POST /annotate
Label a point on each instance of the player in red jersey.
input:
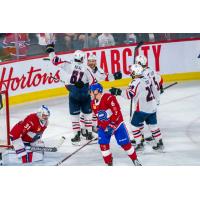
(28, 132)
(110, 122)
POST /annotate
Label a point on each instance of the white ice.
(178, 118)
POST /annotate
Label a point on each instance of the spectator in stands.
(4, 55)
(91, 41)
(130, 38)
(120, 38)
(19, 49)
(106, 39)
(142, 37)
(35, 48)
(162, 36)
(75, 41)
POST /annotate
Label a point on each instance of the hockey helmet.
(96, 86)
(141, 60)
(43, 113)
(79, 56)
(136, 70)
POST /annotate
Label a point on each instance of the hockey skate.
(133, 142)
(149, 139)
(137, 162)
(159, 146)
(111, 163)
(83, 132)
(139, 148)
(76, 139)
(94, 129)
(89, 135)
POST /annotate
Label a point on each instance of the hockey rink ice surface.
(178, 118)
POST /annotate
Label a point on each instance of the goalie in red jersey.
(110, 122)
(28, 132)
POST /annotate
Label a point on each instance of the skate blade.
(76, 143)
(160, 150)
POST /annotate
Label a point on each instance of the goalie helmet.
(43, 113)
(141, 60)
(79, 56)
(136, 70)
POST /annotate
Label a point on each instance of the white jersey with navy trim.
(140, 89)
(74, 72)
(156, 80)
(100, 75)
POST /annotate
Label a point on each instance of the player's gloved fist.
(117, 75)
(110, 129)
(161, 89)
(115, 91)
(50, 48)
(79, 84)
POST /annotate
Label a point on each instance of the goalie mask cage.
(4, 119)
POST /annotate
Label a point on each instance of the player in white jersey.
(77, 77)
(141, 90)
(156, 79)
(100, 75)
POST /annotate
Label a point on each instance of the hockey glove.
(161, 89)
(79, 84)
(50, 48)
(110, 129)
(117, 75)
(115, 91)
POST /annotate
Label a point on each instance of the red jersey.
(107, 110)
(30, 129)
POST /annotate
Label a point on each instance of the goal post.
(4, 119)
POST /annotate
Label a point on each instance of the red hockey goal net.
(4, 119)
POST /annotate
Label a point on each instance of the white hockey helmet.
(142, 60)
(43, 113)
(92, 57)
(136, 70)
(79, 56)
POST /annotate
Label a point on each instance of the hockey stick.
(49, 149)
(70, 155)
(135, 51)
(166, 87)
(45, 149)
(56, 79)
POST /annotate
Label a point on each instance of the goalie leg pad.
(10, 157)
(19, 147)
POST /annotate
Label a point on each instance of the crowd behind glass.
(22, 45)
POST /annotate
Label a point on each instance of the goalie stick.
(49, 149)
(135, 51)
(46, 149)
(77, 150)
